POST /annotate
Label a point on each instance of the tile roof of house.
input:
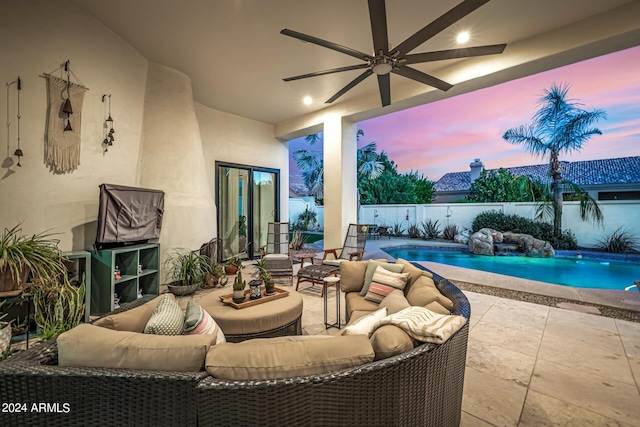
(588, 172)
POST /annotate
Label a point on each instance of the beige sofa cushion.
(92, 346)
(424, 293)
(414, 273)
(352, 275)
(133, 320)
(394, 302)
(282, 358)
(356, 302)
(390, 340)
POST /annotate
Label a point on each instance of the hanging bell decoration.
(67, 107)
(19, 154)
(68, 126)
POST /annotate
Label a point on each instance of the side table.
(302, 256)
(335, 282)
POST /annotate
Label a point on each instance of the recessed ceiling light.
(307, 100)
(463, 37)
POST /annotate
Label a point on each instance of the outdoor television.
(128, 215)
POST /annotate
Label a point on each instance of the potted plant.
(238, 288)
(20, 255)
(5, 334)
(265, 276)
(186, 270)
(59, 305)
(232, 265)
(213, 275)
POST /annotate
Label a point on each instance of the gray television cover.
(129, 214)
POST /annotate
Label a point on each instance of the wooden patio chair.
(276, 254)
(352, 249)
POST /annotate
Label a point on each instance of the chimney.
(476, 167)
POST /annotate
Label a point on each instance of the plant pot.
(270, 288)
(238, 296)
(231, 269)
(5, 338)
(181, 290)
(210, 281)
(7, 283)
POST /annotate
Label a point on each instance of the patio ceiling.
(236, 58)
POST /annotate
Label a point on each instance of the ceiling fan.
(386, 59)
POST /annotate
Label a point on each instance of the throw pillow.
(384, 282)
(390, 340)
(424, 293)
(371, 269)
(352, 275)
(134, 319)
(415, 273)
(167, 318)
(198, 322)
(424, 325)
(395, 301)
(365, 324)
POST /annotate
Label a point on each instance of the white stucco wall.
(37, 37)
(617, 213)
(234, 139)
(172, 160)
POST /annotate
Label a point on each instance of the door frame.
(251, 168)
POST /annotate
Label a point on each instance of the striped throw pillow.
(198, 322)
(423, 324)
(384, 282)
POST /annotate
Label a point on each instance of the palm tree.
(312, 166)
(559, 126)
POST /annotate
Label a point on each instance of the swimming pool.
(597, 273)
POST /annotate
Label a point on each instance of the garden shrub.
(621, 241)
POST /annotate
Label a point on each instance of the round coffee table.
(275, 318)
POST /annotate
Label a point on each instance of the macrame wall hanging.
(64, 121)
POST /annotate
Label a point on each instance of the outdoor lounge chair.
(352, 249)
(276, 253)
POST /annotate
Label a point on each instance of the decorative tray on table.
(228, 299)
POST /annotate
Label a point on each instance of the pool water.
(568, 271)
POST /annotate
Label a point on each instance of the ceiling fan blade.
(354, 82)
(384, 83)
(454, 53)
(421, 77)
(378, 17)
(449, 18)
(327, 44)
(322, 73)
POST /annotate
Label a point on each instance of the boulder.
(463, 237)
(529, 245)
(481, 242)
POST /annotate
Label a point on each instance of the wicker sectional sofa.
(420, 387)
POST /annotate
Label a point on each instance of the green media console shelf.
(132, 279)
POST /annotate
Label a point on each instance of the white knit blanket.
(423, 324)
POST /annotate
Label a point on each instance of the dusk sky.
(446, 136)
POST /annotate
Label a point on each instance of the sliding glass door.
(247, 200)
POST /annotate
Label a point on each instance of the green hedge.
(519, 224)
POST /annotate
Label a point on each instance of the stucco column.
(173, 160)
(340, 179)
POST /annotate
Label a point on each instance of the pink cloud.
(447, 135)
